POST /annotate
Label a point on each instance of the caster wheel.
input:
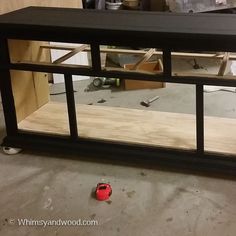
(11, 151)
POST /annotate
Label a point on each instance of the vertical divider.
(167, 65)
(6, 90)
(71, 106)
(200, 118)
(96, 58)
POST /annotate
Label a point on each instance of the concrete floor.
(145, 200)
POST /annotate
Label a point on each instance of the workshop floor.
(145, 200)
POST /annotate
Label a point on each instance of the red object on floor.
(103, 191)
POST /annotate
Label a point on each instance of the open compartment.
(203, 64)
(100, 111)
(123, 117)
(116, 115)
(220, 119)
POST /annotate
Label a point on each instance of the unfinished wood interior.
(142, 52)
(12, 5)
(154, 128)
(224, 58)
(36, 113)
(151, 54)
(130, 125)
(30, 89)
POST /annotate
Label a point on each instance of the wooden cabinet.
(195, 140)
(30, 89)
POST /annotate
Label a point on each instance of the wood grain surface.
(11, 5)
(135, 126)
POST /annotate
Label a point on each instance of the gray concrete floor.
(145, 201)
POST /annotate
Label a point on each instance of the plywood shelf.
(155, 128)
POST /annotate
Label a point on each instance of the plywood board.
(40, 79)
(154, 67)
(166, 129)
(122, 124)
(30, 89)
(11, 5)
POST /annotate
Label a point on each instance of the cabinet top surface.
(132, 21)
